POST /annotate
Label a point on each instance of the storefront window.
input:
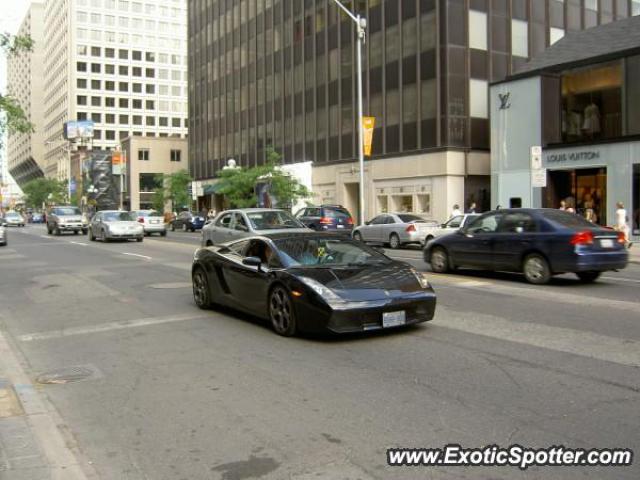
(592, 103)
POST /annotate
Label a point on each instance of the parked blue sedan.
(538, 242)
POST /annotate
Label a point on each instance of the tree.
(172, 187)
(159, 198)
(44, 190)
(238, 185)
(12, 116)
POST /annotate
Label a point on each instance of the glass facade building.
(281, 73)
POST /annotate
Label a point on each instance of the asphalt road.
(172, 392)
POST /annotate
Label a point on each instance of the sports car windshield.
(272, 220)
(118, 217)
(315, 251)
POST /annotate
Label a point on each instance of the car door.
(371, 232)
(515, 235)
(95, 224)
(221, 232)
(473, 245)
(237, 228)
(389, 226)
(243, 278)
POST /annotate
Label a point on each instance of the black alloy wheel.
(200, 284)
(281, 312)
(439, 260)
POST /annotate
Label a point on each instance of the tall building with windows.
(25, 151)
(282, 73)
(120, 63)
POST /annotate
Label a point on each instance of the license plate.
(393, 319)
(155, 221)
(606, 243)
(340, 226)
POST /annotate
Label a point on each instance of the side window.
(258, 248)
(239, 248)
(389, 220)
(517, 222)
(240, 223)
(313, 212)
(485, 224)
(224, 221)
(379, 220)
(455, 222)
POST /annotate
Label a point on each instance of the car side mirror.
(252, 262)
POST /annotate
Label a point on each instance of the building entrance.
(584, 190)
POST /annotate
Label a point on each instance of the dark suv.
(326, 218)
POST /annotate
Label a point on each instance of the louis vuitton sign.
(572, 156)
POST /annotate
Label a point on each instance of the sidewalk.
(634, 253)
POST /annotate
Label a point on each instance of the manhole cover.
(66, 375)
(162, 286)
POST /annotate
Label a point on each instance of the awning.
(211, 189)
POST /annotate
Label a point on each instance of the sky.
(12, 13)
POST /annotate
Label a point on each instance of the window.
(151, 121)
(485, 224)
(136, 55)
(82, 115)
(635, 7)
(81, 83)
(150, 56)
(96, 101)
(82, 50)
(123, 87)
(95, 68)
(143, 154)
(591, 5)
(150, 105)
(519, 38)
(123, 120)
(517, 223)
(478, 98)
(110, 118)
(110, 69)
(109, 53)
(477, 30)
(136, 103)
(137, 120)
(123, 54)
(149, 182)
(96, 117)
(96, 84)
(96, 51)
(110, 135)
(123, 70)
(150, 88)
(123, 102)
(110, 102)
(81, 100)
(81, 66)
(136, 71)
(176, 155)
(555, 34)
(137, 88)
(149, 72)
(163, 121)
(175, 122)
(225, 221)
(109, 85)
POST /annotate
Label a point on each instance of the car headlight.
(326, 293)
(422, 278)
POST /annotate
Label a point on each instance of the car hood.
(123, 224)
(372, 282)
(271, 231)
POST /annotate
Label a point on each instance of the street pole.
(69, 172)
(361, 25)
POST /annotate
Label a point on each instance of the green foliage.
(159, 198)
(173, 187)
(238, 185)
(12, 116)
(36, 192)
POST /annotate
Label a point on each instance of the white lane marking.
(107, 327)
(568, 340)
(621, 279)
(137, 255)
(47, 237)
(80, 243)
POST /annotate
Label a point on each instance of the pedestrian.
(621, 225)
(563, 205)
(472, 208)
(212, 214)
(456, 211)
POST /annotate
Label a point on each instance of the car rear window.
(150, 213)
(566, 219)
(336, 212)
(411, 218)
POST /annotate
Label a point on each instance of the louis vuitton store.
(583, 114)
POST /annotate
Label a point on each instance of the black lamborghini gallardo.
(312, 282)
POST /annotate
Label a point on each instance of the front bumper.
(120, 235)
(68, 227)
(364, 316)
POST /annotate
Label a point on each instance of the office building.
(282, 73)
(25, 83)
(120, 63)
(579, 104)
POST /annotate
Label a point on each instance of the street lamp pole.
(361, 25)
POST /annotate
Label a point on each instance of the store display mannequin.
(591, 123)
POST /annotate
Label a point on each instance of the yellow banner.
(368, 124)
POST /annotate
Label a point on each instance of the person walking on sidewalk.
(622, 225)
(456, 211)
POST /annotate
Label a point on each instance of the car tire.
(357, 236)
(201, 290)
(84, 231)
(439, 260)
(75, 232)
(394, 241)
(103, 237)
(49, 231)
(56, 231)
(173, 227)
(588, 277)
(139, 239)
(281, 312)
(92, 237)
(536, 269)
(428, 239)
(163, 234)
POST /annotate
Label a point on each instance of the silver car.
(115, 225)
(151, 221)
(246, 222)
(450, 226)
(395, 229)
(14, 218)
(66, 219)
(3, 232)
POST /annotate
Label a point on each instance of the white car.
(151, 221)
(15, 219)
(3, 232)
(450, 226)
(396, 229)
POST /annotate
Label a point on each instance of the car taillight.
(410, 228)
(140, 219)
(349, 221)
(325, 221)
(582, 238)
(621, 238)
